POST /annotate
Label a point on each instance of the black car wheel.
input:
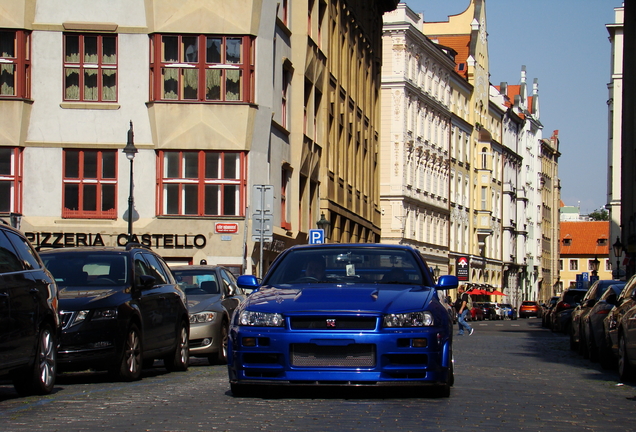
(130, 364)
(221, 357)
(624, 368)
(582, 344)
(592, 350)
(605, 356)
(179, 360)
(40, 378)
(573, 345)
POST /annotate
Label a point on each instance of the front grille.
(353, 355)
(333, 323)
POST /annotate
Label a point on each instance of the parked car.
(577, 337)
(593, 332)
(489, 311)
(562, 313)
(547, 311)
(120, 308)
(529, 309)
(477, 312)
(371, 316)
(619, 326)
(212, 298)
(508, 311)
(29, 319)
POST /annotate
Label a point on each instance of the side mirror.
(248, 282)
(146, 281)
(447, 282)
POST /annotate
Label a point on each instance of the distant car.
(593, 332)
(343, 314)
(529, 309)
(620, 327)
(579, 314)
(561, 315)
(547, 311)
(508, 311)
(489, 311)
(212, 298)
(29, 319)
(477, 312)
(120, 308)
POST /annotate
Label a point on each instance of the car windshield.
(347, 265)
(195, 282)
(77, 270)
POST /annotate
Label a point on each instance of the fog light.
(420, 343)
(249, 341)
(207, 341)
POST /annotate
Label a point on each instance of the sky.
(564, 44)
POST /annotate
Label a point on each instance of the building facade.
(582, 243)
(217, 105)
(415, 140)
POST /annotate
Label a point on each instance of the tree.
(599, 215)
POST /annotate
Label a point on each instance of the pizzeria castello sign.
(70, 239)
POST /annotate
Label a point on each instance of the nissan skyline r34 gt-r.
(343, 314)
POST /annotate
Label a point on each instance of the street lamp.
(618, 251)
(594, 266)
(324, 225)
(436, 273)
(130, 151)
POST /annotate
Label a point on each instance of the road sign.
(316, 236)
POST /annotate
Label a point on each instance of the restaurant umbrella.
(498, 293)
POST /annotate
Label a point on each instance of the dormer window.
(567, 242)
(601, 242)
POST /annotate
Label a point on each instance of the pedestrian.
(461, 305)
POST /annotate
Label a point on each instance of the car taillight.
(562, 306)
(602, 312)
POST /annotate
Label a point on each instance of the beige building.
(550, 189)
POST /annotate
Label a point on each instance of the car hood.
(205, 302)
(342, 298)
(88, 298)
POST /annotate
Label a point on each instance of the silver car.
(212, 297)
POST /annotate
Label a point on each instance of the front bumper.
(205, 338)
(385, 357)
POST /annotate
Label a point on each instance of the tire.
(583, 345)
(240, 390)
(130, 363)
(592, 350)
(39, 378)
(221, 357)
(179, 359)
(573, 345)
(605, 356)
(625, 372)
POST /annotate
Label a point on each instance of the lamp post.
(618, 251)
(594, 267)
(130, 151)
(436, 273)
(324, 225)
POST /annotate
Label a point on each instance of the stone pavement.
(510, 375)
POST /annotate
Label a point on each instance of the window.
(561, 265)
(285, 97)
(574, 264)
(15, 63)
(90, 184)
(202, 183)
(284, 191)
(202, 68)
(90, 67)
(10, 261)
(10, 179)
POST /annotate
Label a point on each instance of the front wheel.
(39, 379)
(130, 364)
(179, 360)
(223, 337)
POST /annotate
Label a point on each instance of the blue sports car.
(343, 314)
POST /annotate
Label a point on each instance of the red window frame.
(181, 204)
(84, 65)
(188, 67)
(84, 183)
(284, 184)
(19, 60)
(12, 176)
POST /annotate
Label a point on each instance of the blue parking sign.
(316, 236)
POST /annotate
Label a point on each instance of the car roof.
(195, 267)
(102, 249)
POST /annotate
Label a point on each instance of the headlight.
(410, 319)
(103, 314)
(202, 317)
(260, 319)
